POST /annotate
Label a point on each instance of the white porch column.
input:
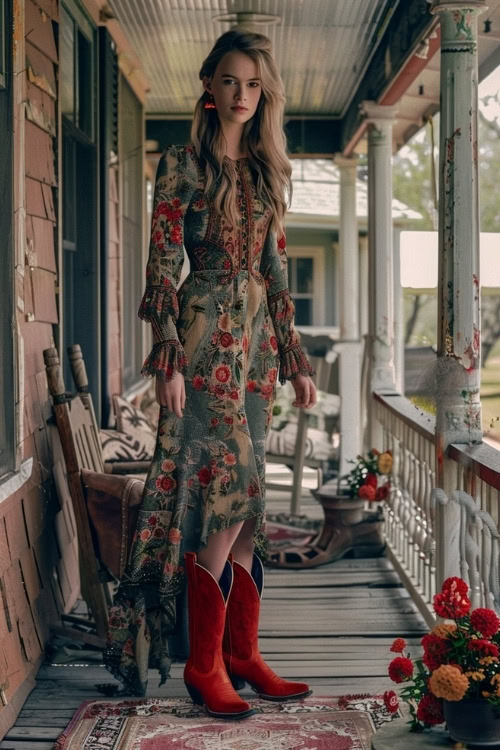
(348, 248)
(349, 347)
(399, 321)
(381, 275)
(458, 375)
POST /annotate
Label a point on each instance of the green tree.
(416, 184)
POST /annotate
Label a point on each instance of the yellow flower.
(385, 463)
(477, 676)
(449, 683)
(487, 660)
(495, 679)
(444, 629)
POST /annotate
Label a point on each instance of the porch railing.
(410, 529)
(435, 533)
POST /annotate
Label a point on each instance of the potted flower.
(368, 480)
(457, 680)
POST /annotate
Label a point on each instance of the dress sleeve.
(274, 268)
(174, 187)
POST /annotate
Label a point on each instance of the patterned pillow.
(283, 442)
(118, 446)
(129, 418)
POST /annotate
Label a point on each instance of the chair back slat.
(76, 426)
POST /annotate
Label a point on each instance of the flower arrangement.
(460, 660)
(370, 477)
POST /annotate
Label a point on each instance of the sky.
(419, 250)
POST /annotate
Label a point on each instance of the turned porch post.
(380, 237)
(458, 375)
(457, 378)
(349, 347)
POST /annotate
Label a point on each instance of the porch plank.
(331, 626)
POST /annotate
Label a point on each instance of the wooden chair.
(326, 379)
(80, 379)
(76, 424)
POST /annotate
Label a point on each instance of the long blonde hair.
(263, 134)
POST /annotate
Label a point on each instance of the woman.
(218, 342)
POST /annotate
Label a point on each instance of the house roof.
(316, 193)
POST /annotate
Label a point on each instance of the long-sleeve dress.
(229, 329)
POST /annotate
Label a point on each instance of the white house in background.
(312, 227)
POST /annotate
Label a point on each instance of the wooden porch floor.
(331, 627)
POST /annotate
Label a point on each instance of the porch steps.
(331, 627)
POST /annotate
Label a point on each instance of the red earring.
(210, 103)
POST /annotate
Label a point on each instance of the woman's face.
(236, 87)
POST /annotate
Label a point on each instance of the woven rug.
(314, 723)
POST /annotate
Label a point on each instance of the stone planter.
(339, 508)
(473, 721)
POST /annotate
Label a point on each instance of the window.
(306, 283)
(7, 360)
(77, 66)
(80, 272)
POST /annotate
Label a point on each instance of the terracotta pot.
(473, 721)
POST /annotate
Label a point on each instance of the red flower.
(234, 395)
(371, 479)
(165, 483)
(226, 339)
(435, 648)
(204, 475)
(430, 710)
(367, 492)
(228, 420)
(455, 584)
(198, 382)
(398, 646)
(272, 375)
(282, 242)
(223, 373)
(486, 621)
(251, 385)
(152, 520)
(451, 603)
(391, 701)
(176, 236)
(485, 648)
(400, 669)
(274, 343)
(382, 492)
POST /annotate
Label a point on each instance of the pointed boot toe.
(205, 675)
(242, 658)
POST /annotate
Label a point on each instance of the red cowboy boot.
(240, 647)
(205, 675)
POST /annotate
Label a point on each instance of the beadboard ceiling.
(321, 46)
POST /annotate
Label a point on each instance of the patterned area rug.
(315, 723)
(283, 529)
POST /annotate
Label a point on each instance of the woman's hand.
(305, 391)
(172, 394)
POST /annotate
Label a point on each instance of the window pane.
(303, 312)
(305, 275)
(85, 85)
(67, 66)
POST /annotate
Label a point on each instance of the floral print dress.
(229, 330)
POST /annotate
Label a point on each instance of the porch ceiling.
(321, 47)
(422, 96)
